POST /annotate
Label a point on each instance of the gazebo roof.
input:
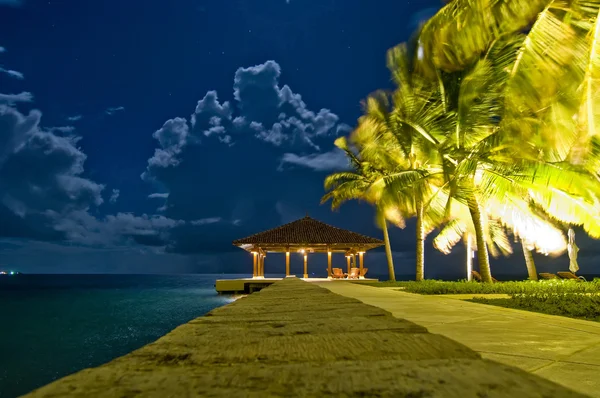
(308, 231)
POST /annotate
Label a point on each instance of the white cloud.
(2, 50)
(114, 196)
(12, 73)
(61, 129)
(112, 110)
(204, 221)
(158, 196)
(74, 118)
(328, 161)
(10, 99)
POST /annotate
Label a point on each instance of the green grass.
(571, 305)
(523, 287)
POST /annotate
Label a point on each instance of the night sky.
(140, 136)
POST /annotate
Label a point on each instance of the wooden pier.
(251, 285)
(297, 339)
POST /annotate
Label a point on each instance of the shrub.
(555, 286)
(572, 305)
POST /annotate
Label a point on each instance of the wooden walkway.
(298, 339)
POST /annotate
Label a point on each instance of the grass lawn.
(571, 305)
(568, 298)
(523, 287)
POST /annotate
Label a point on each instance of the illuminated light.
(420, 52)
(302, 250)
(538, 234)
(12, 272)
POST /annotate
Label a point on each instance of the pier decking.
(251, 285)
(298, 339)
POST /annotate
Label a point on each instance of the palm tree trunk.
(529, 262)
(388, 248)
(420, 243)
(482, 251)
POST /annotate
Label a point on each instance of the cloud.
(206, 180)
(12, 73)
(265, 110)
(204, 221)
(275, 113)
(61, 129)
(158, 195)
(74, 118)
(2, 50)
(39, 173)
(112, 110)
(11, 99)
(114, 196)
(44, 195)
(115, 230)
(334, 160)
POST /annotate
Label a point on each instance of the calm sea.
(54, 325)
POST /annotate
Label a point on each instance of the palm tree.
(357, 185)
(513, 214)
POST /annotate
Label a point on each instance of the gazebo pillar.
(361, 257)
(329, 272)
(305, 265)
(348, 261)
(287, 263)
(262, 266)
(354, 260)
(255, 265)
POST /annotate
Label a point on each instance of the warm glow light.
(301, 250)
(537, 233)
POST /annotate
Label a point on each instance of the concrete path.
(296, 339)
(564, 350)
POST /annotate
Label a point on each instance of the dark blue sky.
(142, 136)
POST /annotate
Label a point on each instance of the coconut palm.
(357, 185)
(515, 215)
(481, 160)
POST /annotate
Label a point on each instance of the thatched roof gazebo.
(306, 235)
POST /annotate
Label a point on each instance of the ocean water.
(54, 325)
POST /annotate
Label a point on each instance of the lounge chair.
(338, 274)
(548, 276)
(570, 275)
(363, 272)
(478, 278)
(354, 273)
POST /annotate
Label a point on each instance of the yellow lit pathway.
(564, 350)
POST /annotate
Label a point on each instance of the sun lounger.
(354, 273)
(548, 276)
(570, 275)
(478, 278)
(338, 274)
(363, 272)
